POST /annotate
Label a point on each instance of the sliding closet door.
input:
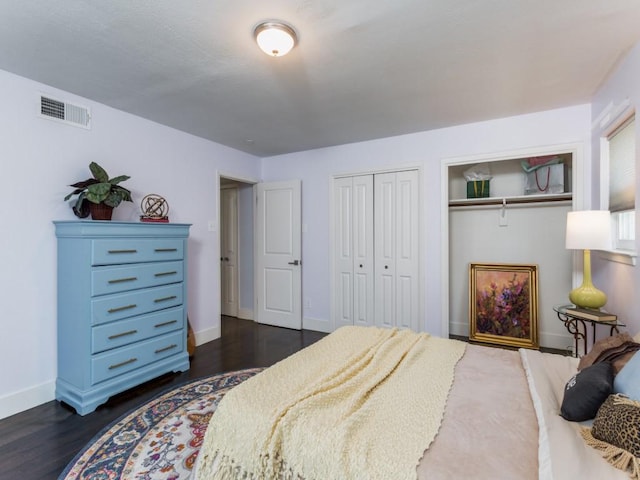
(396, 250)
(353, 251)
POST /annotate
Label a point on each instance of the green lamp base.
(588, 296)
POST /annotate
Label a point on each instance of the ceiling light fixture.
(274, 38)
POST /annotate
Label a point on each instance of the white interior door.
(385, 262)
(363, 254)
(343, 251)
(407, 251)
(353, 251)
(397, 250)
(229, 251)
(278, 254)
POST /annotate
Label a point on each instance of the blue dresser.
(122, 314)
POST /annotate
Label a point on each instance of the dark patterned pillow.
(585, 392)
(616, 433)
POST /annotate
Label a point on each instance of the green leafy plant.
(99, 189)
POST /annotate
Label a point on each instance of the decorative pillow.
(627, 381)
(585, 392)
(602, 346)
(616, 433)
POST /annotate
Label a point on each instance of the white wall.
(533, 235)
(427, 149)
(38, 159)
(620, 282)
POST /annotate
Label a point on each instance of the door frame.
(421, 235)
(580, 191)
(247, 181)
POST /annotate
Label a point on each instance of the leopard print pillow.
(618, 423)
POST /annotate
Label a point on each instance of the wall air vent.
(68, 113)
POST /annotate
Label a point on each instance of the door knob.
(360, 265)
(295, 262)
(386, 267)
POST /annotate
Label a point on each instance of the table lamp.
(588, 230)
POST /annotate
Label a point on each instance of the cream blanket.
(362, 402)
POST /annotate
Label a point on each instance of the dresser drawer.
(105, 280)
(135, 250)
(122, 360)
(123, 332)
(124, 305)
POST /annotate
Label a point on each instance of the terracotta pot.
(100, 211)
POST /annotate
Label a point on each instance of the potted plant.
(99, 195)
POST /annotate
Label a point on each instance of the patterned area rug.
(159, 440)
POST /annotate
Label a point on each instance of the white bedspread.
(502, 422)
(362, 403)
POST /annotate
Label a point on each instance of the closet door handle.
(386, 267)
(295, 262)
(360, 265)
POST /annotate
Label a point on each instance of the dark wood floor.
(37, 444)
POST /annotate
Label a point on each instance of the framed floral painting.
(503, 304)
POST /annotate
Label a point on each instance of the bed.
(377, 403)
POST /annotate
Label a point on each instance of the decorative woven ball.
(154, 206)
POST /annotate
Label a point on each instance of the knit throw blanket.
(362, 402)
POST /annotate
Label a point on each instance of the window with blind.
(622, 173)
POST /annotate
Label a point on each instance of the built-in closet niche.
(510, 227)
(376, 250)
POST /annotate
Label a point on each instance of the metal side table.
(577, 326)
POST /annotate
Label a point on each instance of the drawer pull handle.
(160, 250)
(165, 299)
(122, 280)
(162, 274)
(119, 309)
(123, 334)
(133, 250)
(164, 324)
(160, 350)
(122, 364)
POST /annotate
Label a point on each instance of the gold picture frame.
(503, 304)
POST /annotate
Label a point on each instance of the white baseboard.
(208, 335)
(316, 325)
(245, 313)
(32, 397)
(25, 399)
(558, 342)
(459, 328)
(548, 340)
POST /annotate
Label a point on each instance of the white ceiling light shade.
(274, 38)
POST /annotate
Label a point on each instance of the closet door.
(363, 254)
(396, 250)
(353, 251)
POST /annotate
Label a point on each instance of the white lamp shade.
(275, 39)
(589, 230)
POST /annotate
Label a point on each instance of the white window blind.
(622, 169)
